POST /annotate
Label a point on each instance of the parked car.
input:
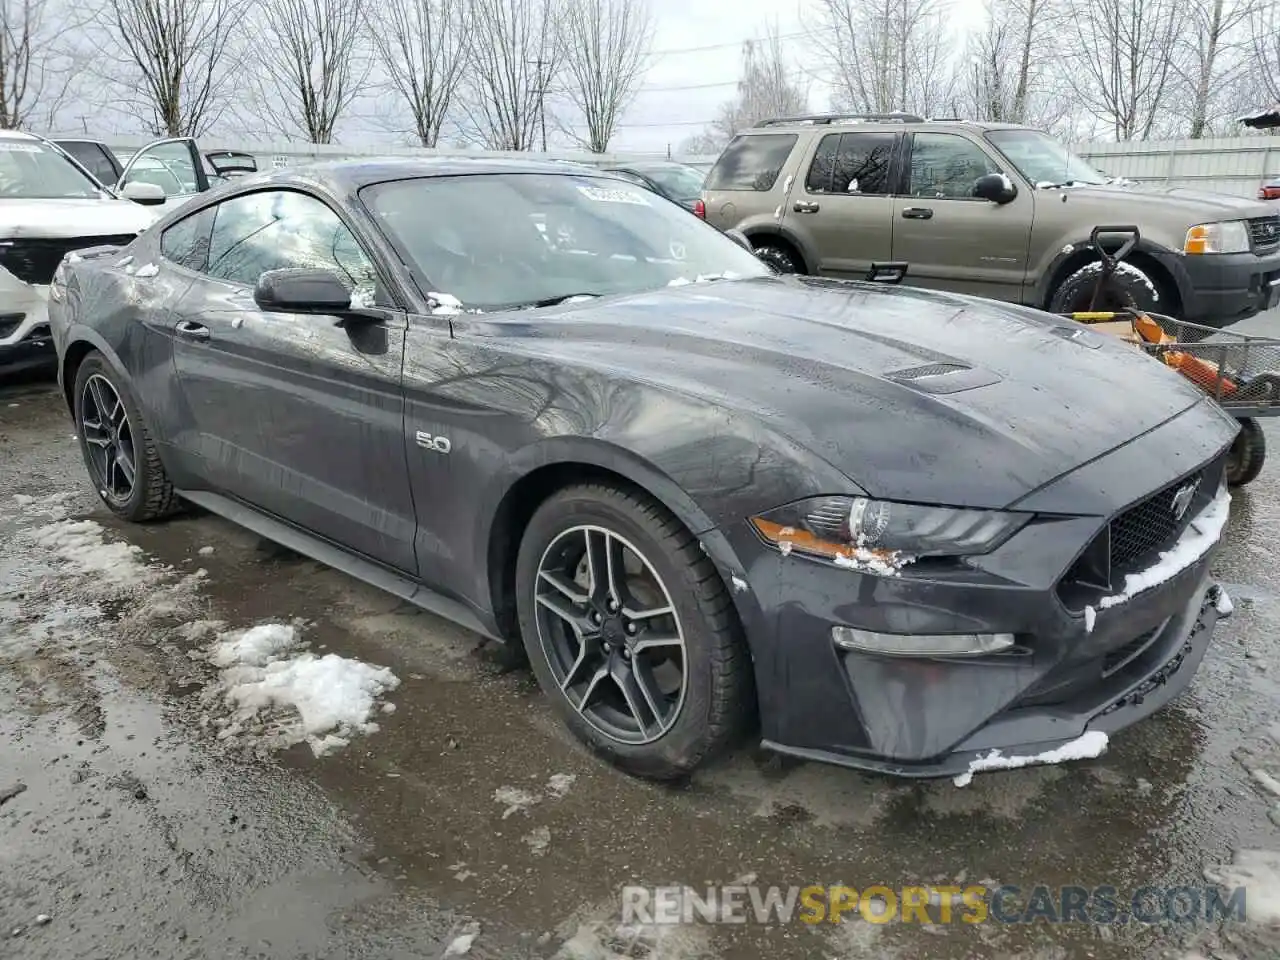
(995, 210)
(1270, 190)
(903, 528)
(49, 206)
(675, 181)
(96, 157)
(176, 165)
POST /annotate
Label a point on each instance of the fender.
(79, 334)
(1169, 259)
(779, 228)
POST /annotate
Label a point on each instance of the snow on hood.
(57, 219)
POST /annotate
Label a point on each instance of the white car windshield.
(680, 182)
(502, 241)
(31, 170)
(1043, 160)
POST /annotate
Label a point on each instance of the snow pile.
(518, 800)
(1223, 604)
(1199, 537)
(880, 562)
(446, 304)
(1090, 618)
(1085, 747)
(147, 270)
(282, 694)
(82, 548)
(1258, 871)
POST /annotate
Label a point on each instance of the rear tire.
(778, 257)
(119, 453)
(1129, 288)
(1245, 459)
(578, 649)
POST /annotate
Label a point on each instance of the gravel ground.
(140, 817)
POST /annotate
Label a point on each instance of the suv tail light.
(700, 209)
(1270, 192)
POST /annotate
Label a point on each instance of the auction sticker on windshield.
(605, 195)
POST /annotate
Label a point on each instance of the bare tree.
(423, 48)
(1264, 59)
(1122, 61)
(887, 54)
(606, 44)
(515, 56)
(312, 60)
(1213, 52)
(35, 68)
(183, 53)
(767, 88)
(1014, 32)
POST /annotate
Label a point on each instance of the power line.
(723, 46)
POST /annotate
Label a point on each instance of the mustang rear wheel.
(119, 453)
(630, 631)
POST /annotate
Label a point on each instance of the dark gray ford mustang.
(898, 530)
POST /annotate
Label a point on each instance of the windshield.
(683, 183)
(498, 241)
(30, 170)
(1042, 159)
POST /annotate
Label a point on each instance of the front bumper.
(25, 341)
(1218, 289)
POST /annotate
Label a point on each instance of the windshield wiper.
(554, 301)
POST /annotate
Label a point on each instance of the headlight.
(856, 531)
(1229, 236)
(58, 285)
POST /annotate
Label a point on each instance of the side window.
(273, 230)
(823, 165)
(168, 165)
(94, 159)
(751, 162)
(632, 177)
(186, 243)
(944, 166)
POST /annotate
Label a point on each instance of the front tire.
(1247, 453)
(779, 258)
(630, 631)
(119, 453)
(1128, 288)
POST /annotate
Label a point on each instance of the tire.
(150, 495)
(716, 696)
(1129, 288)
(780, 258)
(1247, 454)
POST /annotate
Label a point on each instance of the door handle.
(191, 330)
(916, 213)
(805, 206)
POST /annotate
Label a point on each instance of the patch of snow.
(1258, 871)
(1128, 269)
(129, 269)
(559, 784)
(1199, 537)
(784, 547)
(147, 270)
(739, 584)
(538, 840)
(679, 282)
(704, 278)
(125, 261)
(445, 304)
(286, 696)
(1090, 618)
(1066, 251)
(1269, 782)
(863, 560)
(81, 546)
(1223, 604)
(514, 799)
(460, 946)
(1085, 747)
(74, 257)
(361, 299)
(205, 551)
(777, 214)
(786, 184)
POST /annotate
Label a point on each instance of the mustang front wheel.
(630, 631)
(119, 453)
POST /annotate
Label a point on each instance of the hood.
(1198, 206)
(913, 395)
(62, 219)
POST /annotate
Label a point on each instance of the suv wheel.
(779, 257)
(630, 631)
(1128, 288)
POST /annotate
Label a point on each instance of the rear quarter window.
(751, 162)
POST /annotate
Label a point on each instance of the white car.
(49, 206)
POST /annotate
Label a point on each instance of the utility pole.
(542, 100)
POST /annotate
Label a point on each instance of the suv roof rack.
(895, 117)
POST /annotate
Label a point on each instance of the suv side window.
(856, 163)
(276, 229)
(94, 157)
(186, 242)
(751, 162)
(944, 166)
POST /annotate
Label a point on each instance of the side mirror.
(147, 194)
(995, 187)
(740, 238)
(302, 290)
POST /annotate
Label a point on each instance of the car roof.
(349, 175)
(888, 121)
(16, 135)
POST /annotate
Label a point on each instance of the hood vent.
(943, 378)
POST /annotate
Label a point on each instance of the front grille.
(1122, 656)
(1150, 526)
(9, 323)
(34, 260)
(1264, 233)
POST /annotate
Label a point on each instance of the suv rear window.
(751, 162)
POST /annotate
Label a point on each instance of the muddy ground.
(136, 820)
